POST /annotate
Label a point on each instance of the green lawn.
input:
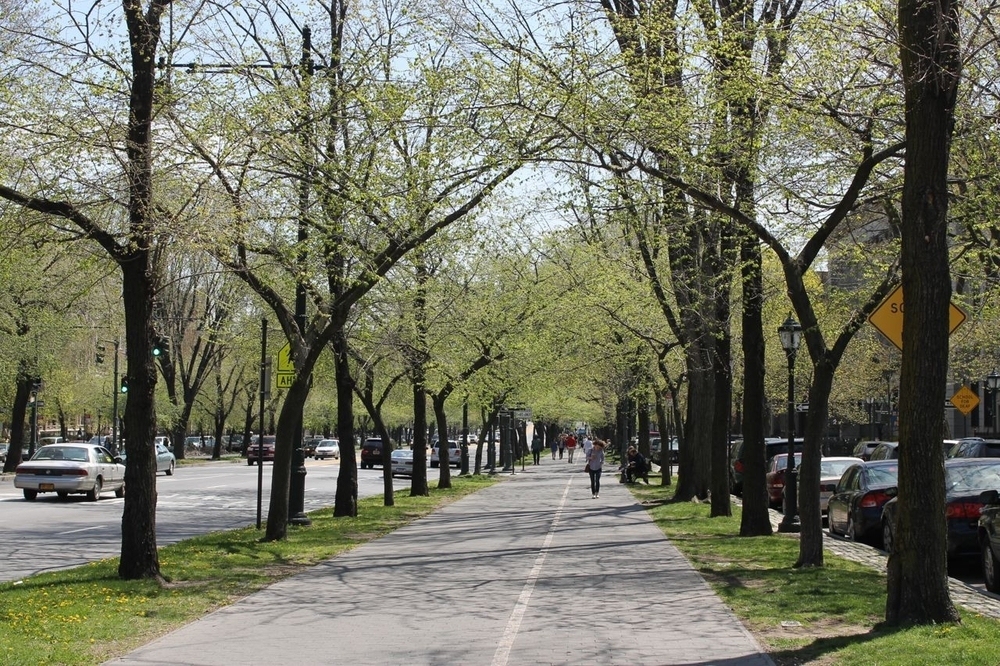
(823, 616)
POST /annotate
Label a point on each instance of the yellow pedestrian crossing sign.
(285, 371)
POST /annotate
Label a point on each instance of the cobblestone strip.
(961, 593)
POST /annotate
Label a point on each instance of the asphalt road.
(50, 534)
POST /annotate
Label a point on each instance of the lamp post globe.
(790, 335)
(993, 383)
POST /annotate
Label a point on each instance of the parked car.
(885, 451)
(454, 454)
(73, 467)
(855, 507)
(965, 480)
(831, 470)
(327, 448)
(402, 462)
(774, 478)
(772, 446)
(253, 451)
(864, 449)
(371, 453)
(976, 448)
(309, 445)
(989, 538)
(165, 441)
(3, 451)
(655, 447)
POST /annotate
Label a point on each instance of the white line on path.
(514, 623)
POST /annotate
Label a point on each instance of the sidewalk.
(530, 571)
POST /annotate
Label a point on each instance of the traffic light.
(124, 384)
(159, 346)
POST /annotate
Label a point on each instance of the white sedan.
(73, 467)
(327, 448)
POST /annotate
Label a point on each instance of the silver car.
(327, 448)
(73, 467)
(165, 460)
(402, 462)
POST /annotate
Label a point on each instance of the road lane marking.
(502, 654)
(83, 529)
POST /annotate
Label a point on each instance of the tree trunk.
(346, 500)
(693, 466)
(444, 455)
(931, 63)
(139, 556)
(755, 519)
(719, 474)
(18, 410)
(810, 512)
(419, 486)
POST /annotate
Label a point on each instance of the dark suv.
(885, 451)
(977, 448)
(371, 453)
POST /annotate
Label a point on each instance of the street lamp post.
(993, 383)
(790, 334)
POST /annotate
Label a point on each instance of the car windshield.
(965, 478)
(73, 453)
(834, 467)
(883, 475)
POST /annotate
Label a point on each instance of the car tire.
(120, 491)
(991, 568)
(63, 494)
(887, 536)
(249, 463)
(95, 492)
(434, 465)
(30, 495)
(851, 530)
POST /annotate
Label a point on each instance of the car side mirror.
(892, 492)
(118, 459)
(988, 497)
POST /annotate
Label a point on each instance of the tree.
(133, 251)
(931, 63)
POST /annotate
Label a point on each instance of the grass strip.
(822, 616)
(87, 615)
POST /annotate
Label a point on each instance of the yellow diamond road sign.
(888, 317)
(965, 400)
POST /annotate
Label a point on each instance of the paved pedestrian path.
(530, 571)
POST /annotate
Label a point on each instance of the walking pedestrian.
(587, 445)
(570, 446)
(553, 446)
(562, 445)
(536, 448)
(595, 462)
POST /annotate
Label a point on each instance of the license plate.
(46, 486)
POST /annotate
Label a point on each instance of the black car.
(885, 451)
(976, 448)
(989, 538)
(864, 449)
(965, 481)
(371, 453)
(855, 508)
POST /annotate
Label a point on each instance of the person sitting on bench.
(636, 466)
